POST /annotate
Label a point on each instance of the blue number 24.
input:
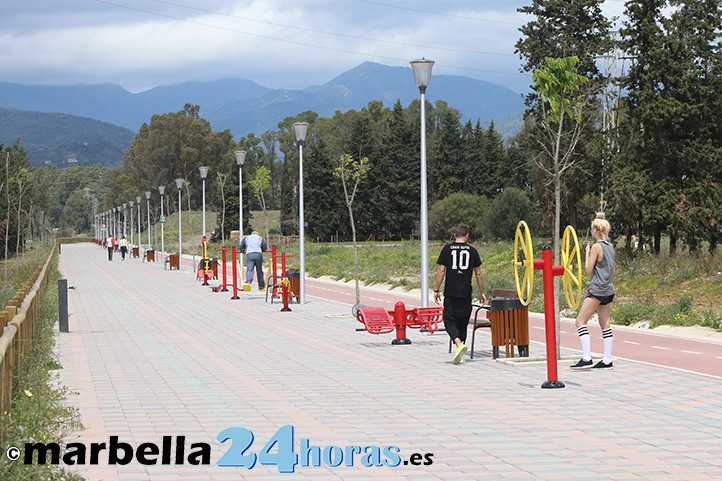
(285, 459)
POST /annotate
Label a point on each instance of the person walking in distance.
(123, 247)
(599, 265)
(111, 246)
(457, 261)
(253, 246)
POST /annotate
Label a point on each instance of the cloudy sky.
(139, 44)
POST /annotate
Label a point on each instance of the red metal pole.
(284, 284)
(234, 269)
(273, 263)
(400, 323)
(223, 257)
(547, 268)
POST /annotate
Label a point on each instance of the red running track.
(698, 356)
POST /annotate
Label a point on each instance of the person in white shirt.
(253, 246)
(111, 247)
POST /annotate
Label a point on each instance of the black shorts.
(603, 300)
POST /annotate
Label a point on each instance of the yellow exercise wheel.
(571, 260)
(523, 260)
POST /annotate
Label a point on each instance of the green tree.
(561, 29)
(457, 208)
(260, 184)
(505, 212)
(352, 172)
(560, 118)
(323, 208)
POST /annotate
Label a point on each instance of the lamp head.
(125, 204)
(301, 129)
(179, 183)
(147, 195)
(137, 199)
(161, 189)
(131, 203)
(204, 172)
(240, 157)
(422, 73)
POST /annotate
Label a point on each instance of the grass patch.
(39, 411)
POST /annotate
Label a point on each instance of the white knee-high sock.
(608, 340)
(586, 342)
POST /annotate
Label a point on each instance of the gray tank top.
(601, 279)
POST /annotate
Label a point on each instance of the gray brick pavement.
(153, 353)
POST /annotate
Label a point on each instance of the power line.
(440, 14)
(294, 42)
(326, 32)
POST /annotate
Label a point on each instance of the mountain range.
(241, 106)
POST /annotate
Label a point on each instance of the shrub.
(506, 211)
(457, 208)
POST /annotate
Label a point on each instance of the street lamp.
(114, 231)
(161, 190)
(137, 201)
(240, 159)
(125, 205)
(204, 174)
(301, 129)
(422, 75)
(179, 185)
(130, 226)
(147, 202)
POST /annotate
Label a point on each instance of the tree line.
(645, 145)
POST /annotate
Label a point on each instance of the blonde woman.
(599, 265)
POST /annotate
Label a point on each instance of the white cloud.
(142, 43)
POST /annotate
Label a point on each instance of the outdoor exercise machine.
(377, 320)
(206, 262)
(570, 271)
(223, 286)
(281, 286)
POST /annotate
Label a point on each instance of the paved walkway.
(152, 353)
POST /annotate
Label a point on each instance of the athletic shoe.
(459, 353)
(603, 365)
(581, 365)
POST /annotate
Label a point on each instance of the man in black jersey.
(456, 262)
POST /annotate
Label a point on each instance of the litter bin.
(294, 279)
(509, 326)
(150, 255)
(174, 261)
(136, 252)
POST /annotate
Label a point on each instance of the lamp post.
(161, 190)
(204, 173)
(130, 226)
(114, 231)
(147, 202)
(179, 185)
(137, 202)
(125, 217)
(301, 129)
(119, 229)
(240, 159)
(422, 76)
